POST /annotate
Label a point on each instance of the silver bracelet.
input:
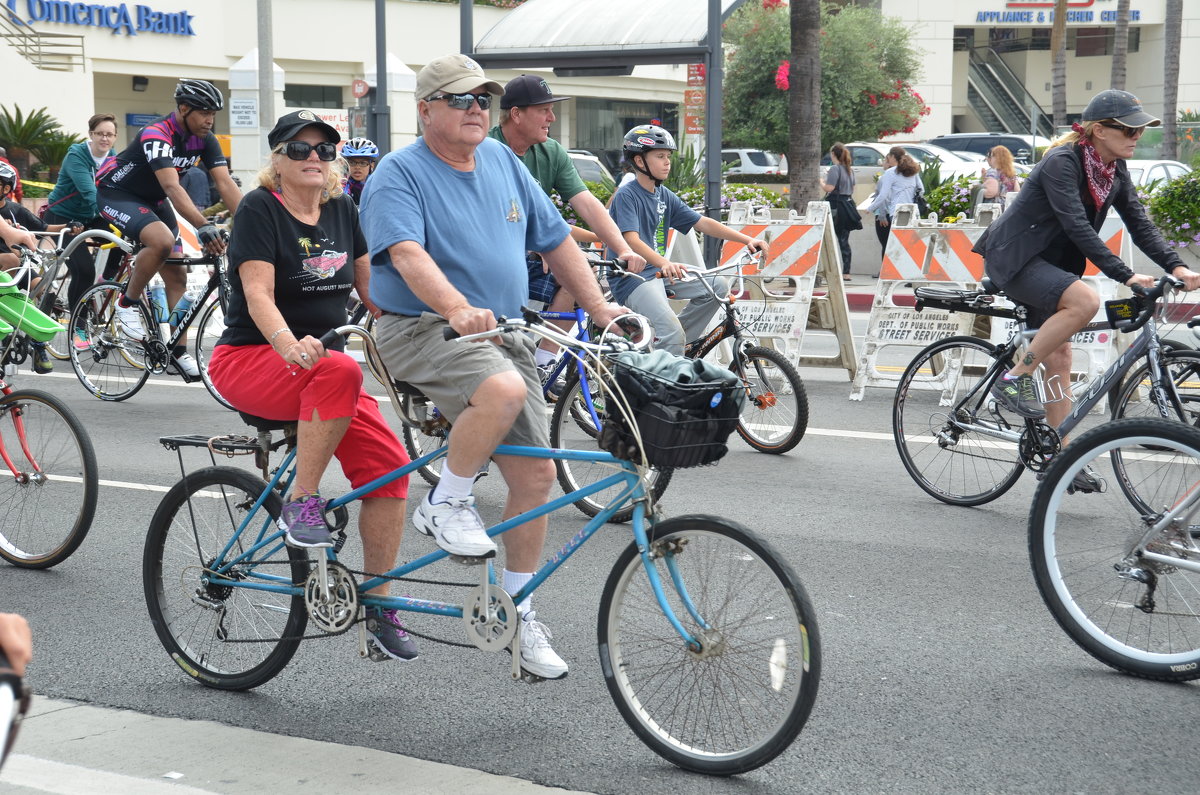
(278, 332)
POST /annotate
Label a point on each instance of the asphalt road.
(942, 669)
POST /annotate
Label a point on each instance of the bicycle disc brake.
(490, 625)
(332, 606)
(1038, 446)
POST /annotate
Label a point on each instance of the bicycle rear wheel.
(572, 427)
(49, 501)
(1181, 368)
(112, 366)
(1131, 613)
(226, 637)
(775, 412)
(946, 425)
(208, 331)
(739, 701)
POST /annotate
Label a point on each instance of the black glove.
(208, 234)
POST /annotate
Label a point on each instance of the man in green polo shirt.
(526, 113)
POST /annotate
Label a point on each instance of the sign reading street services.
(117, 18)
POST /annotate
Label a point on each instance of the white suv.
(753, 161)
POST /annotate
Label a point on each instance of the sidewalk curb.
(69, 746)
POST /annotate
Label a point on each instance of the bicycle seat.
(263, 424)
(405, 388)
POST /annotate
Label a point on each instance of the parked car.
(1155, 172)
(867, 158)
(753, 161)
(1022, 146)
(589, 167)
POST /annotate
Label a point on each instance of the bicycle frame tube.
(1144, 344)
(193, 311)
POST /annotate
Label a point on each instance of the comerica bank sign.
(117, 18)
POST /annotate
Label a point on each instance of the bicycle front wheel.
(954, 439)
(573, 427)
(208, 331)
(432, 435)
(111, 364)
(1088, 550)
(48, 500)
(224, 636)
(775, 412)
(740, 699)
(1181, 375)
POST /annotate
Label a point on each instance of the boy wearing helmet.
(133, 189)
(644, 210)
(360, 154)
(19, 217)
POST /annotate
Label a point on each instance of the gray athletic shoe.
(1019, 395)
(304, 522)
(386, 633)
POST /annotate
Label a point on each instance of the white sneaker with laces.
(455, 526)
(537, 657)
(130, 321)
(188, 365)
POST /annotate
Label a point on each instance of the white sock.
(543, 356)
(451, 486)
(515, 581)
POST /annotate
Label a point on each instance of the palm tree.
(1120, 45)
(1058, 63)
(804, 102)
(1172, 23)
(20, 133)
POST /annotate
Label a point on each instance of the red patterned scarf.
(1099, 176)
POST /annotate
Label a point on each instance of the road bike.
(48, 494)
(964, 447)
(1120, 569)
(112, 365)
(707, 639)
(774, 415)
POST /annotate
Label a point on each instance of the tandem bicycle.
(707, 640)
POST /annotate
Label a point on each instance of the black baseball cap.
(289, 124)
(1120, 106)
(526, 90)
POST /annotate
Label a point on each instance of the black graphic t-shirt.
(314, 265)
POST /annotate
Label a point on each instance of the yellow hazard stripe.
(37, 184)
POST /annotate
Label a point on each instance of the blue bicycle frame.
(269, 537)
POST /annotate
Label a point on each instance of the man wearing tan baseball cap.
(448, 221)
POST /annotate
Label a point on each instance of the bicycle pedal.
(473, 560)
(530, 679)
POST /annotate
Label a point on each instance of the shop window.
(298, 96)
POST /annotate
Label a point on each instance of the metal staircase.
(999, 98)
(56, 52)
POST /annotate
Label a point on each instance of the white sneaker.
(130, 321)
(187, 365)
(536, 655)
(455, 526)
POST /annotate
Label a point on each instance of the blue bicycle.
(707, 639)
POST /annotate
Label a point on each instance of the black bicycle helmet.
(643, 138)
(8, 175)
(198, 94)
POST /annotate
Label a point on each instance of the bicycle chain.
(365, 575)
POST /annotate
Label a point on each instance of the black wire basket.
(685, 410)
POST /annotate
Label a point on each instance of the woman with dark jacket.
(1036, 250)
(74, 199)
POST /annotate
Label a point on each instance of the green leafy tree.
(867, 65)
(20, 133)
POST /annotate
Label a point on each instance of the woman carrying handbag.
(839, 186)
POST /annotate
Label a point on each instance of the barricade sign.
(778, 301)
(920, 252)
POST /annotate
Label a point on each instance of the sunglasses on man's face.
(1130, 132)
(463, 101)
(300, 150)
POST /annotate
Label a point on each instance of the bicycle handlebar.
(637, 325)
(1150, 298)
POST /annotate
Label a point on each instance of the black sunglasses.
(300, 150)
(1130, 132)
(463, 101)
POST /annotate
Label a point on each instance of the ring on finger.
(304, 356)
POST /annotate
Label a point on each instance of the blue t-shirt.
(650, 214)
(476, 225)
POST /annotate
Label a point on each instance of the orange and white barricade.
(778, 301)
(920, 252)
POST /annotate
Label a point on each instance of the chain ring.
(496, 636)
(1038, 446)
(339, 614)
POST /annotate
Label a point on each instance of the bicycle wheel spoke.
(112, 365)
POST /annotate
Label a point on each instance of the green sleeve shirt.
(550, 165)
